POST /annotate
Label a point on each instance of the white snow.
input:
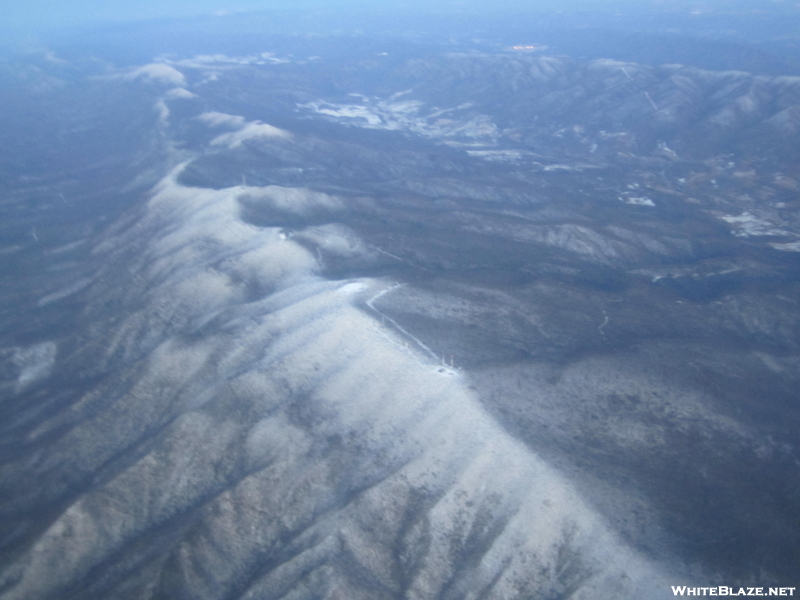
(637, 200)
(159, 73)
(748, 224)
(34, 363)
(458, 124)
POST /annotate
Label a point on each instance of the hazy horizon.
(26, 22)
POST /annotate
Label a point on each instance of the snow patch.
(787, 247)
(64, 293)
(217, 119)
(748, 224)
(453, 125)
(253, 130)
(157, 73)
(35, 363)
(179, 92)
(637, 200)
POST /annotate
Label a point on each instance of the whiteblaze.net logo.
(723, 590)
